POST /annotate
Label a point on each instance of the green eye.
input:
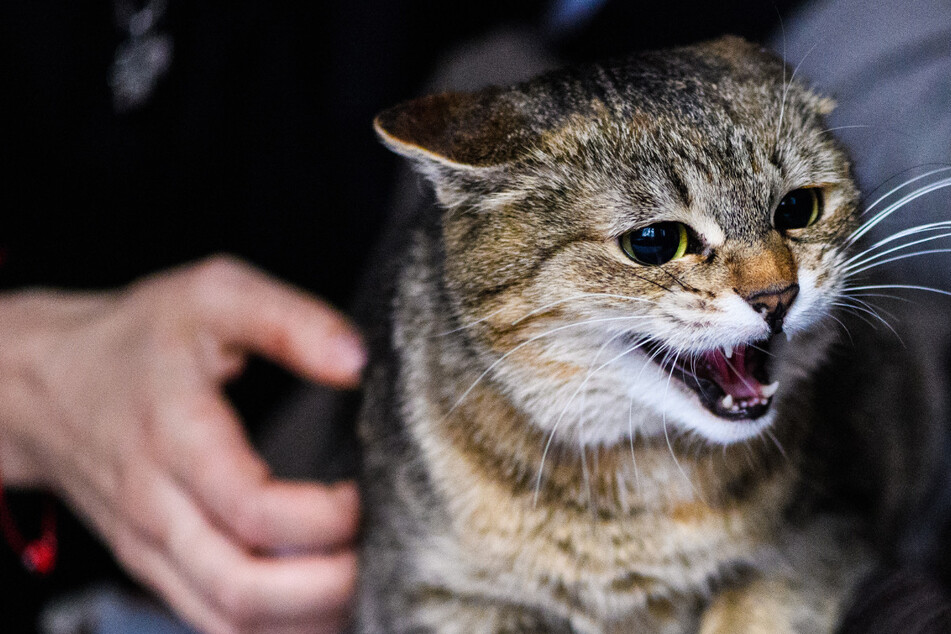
(798, 209)
(657, 243)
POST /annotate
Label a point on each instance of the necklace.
(142, 58)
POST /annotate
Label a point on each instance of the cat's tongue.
(735, 375)
(733, 383)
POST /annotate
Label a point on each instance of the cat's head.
(631, 243)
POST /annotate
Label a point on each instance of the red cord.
(38, 555)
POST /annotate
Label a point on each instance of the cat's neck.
(456, 409)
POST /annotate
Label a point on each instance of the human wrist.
(32, 323)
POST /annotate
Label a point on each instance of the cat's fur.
(523, 469)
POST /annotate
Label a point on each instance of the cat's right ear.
(456, 130)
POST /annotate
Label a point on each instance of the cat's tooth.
(727, 401)
(769, 390)
(728, 352)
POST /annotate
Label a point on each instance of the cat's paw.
(764, 606)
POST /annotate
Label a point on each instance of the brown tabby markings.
(480, 517)
(762, 266)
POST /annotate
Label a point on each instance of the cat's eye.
(798, 209)
(657, 243)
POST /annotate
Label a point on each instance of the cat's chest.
(655, 544)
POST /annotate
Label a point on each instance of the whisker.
(541, 309)
(896, 259)
(936, 226)
(630, 434)
(581, 296)
(528, 341)
(912, 287)
(887, 211)
(586, 478)
(761, 349)
(554, 428)
(879, 127)
(882, 295)
(857, 309)
(905, 184)
(792, 78)
(676, 279)
(844, 327)
(591, 373)
(732, 367)
(849, 309)
(469, 325)
(667, 435)
(869, 305)
(541, 467)
(779, 446)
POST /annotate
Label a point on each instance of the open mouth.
(732, 382)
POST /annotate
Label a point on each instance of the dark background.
(257, 142)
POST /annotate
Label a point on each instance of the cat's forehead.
(718, 128)
(685, 132)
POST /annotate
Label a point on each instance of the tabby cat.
(601, 399)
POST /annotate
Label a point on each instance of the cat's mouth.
(732, 382)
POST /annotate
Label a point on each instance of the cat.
(603, 393)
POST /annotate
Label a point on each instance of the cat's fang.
(728, 352)
(727, 401)
(768, 390)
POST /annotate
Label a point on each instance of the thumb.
(253, 312)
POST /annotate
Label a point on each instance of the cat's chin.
(723, 431)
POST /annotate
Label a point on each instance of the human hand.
(114, 401)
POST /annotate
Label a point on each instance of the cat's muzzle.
(732, 382)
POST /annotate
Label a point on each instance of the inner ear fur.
(460, 129)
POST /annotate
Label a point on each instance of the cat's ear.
(455, 130)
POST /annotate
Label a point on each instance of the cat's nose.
(773, 305)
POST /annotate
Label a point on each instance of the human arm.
(113, 400)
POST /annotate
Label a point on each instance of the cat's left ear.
(456, 130)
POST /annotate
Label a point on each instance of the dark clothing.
(257, 142)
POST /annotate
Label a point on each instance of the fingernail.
(347, 493)
(351, 354)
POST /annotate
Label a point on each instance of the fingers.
(169, 545)
(251, 311)
(288, 517)
(250, 587)
(206, 449)
(192, 558)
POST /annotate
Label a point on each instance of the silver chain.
(142, 58)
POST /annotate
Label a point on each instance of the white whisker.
(667, 435)
(857, 309)
(564, 411)
(887, 211)
(882, 295)
(630, 432)
(782, 105)
(869, 305)
(772, 436)
(540, 309)
(903, 185)
(844, 327)
(912, 287)
(582, 296)
(527, 342)
(935, 226)
(896, 259)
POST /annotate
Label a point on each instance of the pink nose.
(773, 304)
